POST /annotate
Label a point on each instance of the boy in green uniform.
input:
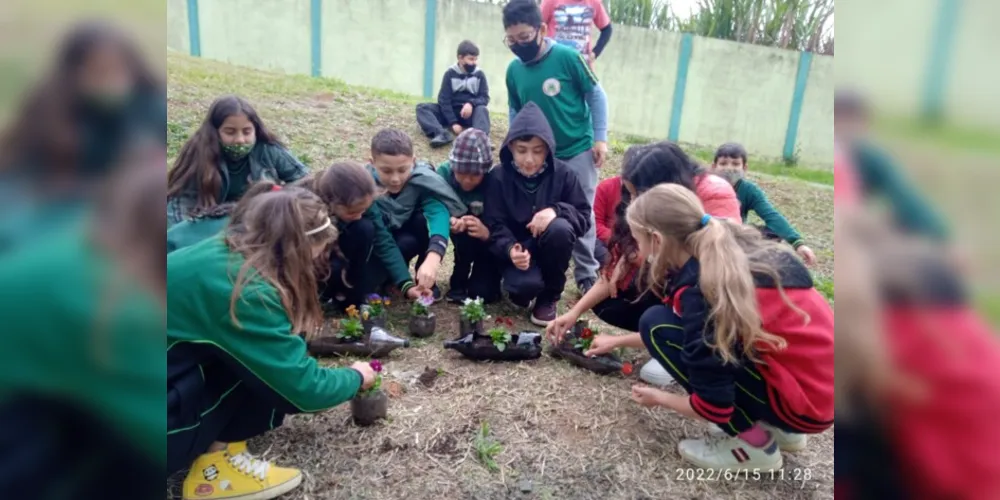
(558, 79)
(469, 162)
(731, 164)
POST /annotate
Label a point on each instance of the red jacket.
(715, 193)
(799, 378)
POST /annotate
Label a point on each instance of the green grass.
(825, 286)
(943, 134)
(487, 448)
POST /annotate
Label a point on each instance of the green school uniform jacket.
(752, 198)
(558, 83)
(261, 350)
(468, 197)
(191, 231)
(265, 161)
(78, 330)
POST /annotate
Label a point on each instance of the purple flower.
(426, 300)
(376, 365)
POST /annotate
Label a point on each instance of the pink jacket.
(718, 197)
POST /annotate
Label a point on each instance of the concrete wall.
(734, 92)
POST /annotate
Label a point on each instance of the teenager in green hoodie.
(417, 205)
(231, 150)
(236, 363)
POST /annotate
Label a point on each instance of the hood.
(529, 121)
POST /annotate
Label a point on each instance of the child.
(417, 205)
(730, 163)
(462, 100)
(466, 171)
(365, 244)
(741, 329)
(235, 360)
(200, 225)
(231, 150)
(617, 298)
(557, 79)
(535, 211)
(571, 21)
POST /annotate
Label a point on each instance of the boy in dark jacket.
(467, 172)
(535, 211)
(462, 100)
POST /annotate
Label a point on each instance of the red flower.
(509, 322)
(499, 320)
(587, 333)
(627, 368)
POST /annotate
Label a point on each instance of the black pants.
(413, 238)
(624, 310)
(356, 241)
(239, 416)
(546, 275)
(484, 280)
(432, 121)
(663, 336)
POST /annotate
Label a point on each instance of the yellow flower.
(388, 302)
(352, 311)
(364, 315)
(376, 301)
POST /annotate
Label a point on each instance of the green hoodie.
(261, 349)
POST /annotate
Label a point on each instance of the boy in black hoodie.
(461, 103)
(535, 211)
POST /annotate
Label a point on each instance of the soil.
(369, 409)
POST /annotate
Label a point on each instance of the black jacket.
(510, 206)
(459, 88)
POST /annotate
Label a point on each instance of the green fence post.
(798, 95)
(430, 29)
(316, 36)
(684, 59)
(194, 30)
(937, 66)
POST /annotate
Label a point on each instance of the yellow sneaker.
(235, 474)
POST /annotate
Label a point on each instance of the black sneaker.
(442, 139)
(456, 296)
(543, 313)
(436, 293)
(584, 286)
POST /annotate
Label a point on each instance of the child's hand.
(520, 257)
(600, 153)
(367, 374)
(456, 128)
(427, 274)
(807, 255)
(457, 225)
(617, 275)
(558, 327)
(415, 292)
(540, 222)
(602, 344)
(648, 396)
(466, 110)
(475, 227)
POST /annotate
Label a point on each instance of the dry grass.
(562, 432)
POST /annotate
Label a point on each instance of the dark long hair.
(197, 164)
(645, 166)
(44, 131)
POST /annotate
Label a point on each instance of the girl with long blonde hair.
(741, 329)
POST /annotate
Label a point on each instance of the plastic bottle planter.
(604, 364)
(378, 343)
(423, 326)
(373, 321)
(466, 327)
(369, 408)
(522, 346)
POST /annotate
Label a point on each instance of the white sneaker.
(655, 374)
(787, 441)
(730, 454)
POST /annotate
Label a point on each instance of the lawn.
(539, 429)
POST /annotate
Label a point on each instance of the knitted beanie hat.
(471, 154)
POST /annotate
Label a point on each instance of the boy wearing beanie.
(469, 162)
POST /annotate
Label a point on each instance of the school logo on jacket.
(551, 87)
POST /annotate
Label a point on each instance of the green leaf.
(500, 346)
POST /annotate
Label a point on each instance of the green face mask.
(236, 152)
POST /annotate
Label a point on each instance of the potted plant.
(471, 316)
(353, 339)
(422, 320)
(499, 344)
(577, 341)
(373, 311)
(372, 404)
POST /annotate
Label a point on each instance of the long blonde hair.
(729, 255)
(270, 228)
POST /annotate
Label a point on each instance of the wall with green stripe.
(659, 84)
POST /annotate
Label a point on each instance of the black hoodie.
(510, 205)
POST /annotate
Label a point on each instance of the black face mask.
(526, 51)
(469, 68)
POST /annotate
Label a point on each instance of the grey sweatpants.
(585, 264)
